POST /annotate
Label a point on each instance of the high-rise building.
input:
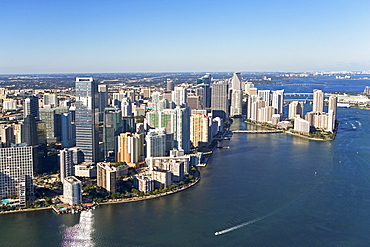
(332, 112)
(236, 82)
(66, 163)
(170, 86)
(194, 102)
(265, 95)
(206, 79)
(103, 99)
(333, 102)
(156, 143)
(180, 96)
(199, 129)
(7, 137)
(295, 108)
(16, 173)
(278, 101)
(51, 100)
(126, 107)
(87, 132)
(130, 148)
(52, 122)
(72, 190)
(181, 128)
(111, 129)
(31, 107)
(219, 99)
(157, 104)
(117, 98)
(68, 130)
(236, 107)
(144, 183)
(301, 125)
(204, 92)
(106, 176)
(236, 95)
(29, 131)
(318, 101)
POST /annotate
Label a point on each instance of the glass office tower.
(87, 116)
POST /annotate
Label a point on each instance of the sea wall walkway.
(256, 131)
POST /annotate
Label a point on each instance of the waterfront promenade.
(256, 131)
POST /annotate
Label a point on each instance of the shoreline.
(294, 134)
(134, 199)
(24, 210)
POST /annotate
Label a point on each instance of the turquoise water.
(266, 190)
(6, 201)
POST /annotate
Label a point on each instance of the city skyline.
(41, 37)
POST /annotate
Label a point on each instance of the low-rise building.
(86, 169)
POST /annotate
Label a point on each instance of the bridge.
(256, 131)
(298, 94)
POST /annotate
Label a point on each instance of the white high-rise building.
(51, 99)
(16, 173)
(236, 95)
(10, 104)
(181, 128)
(126, 107)
(157, 103)
(301, 125)
(180, 96)
(278, 101)
(72, 190)
(236, 82)
(265, 95)
(236, 106)
(295, 108)
(318, 101)
(156, 143)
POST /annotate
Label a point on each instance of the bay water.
(266, 190)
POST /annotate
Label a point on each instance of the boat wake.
(308, 189)
(241, 225)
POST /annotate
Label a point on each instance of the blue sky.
(55, 36)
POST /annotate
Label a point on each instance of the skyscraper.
(126, 107)
(219, 99)
(103, 99)
(236, 95)
(179, 96)
(66, 163)
(130, 148)
(156, 143)
(170, 86)
(31, 107)
(318, 100)
(199, 129)
(111, 129)
(72, 190)
(16, 173)
(87, 134)
(278, 101)
(181, 128)
(51, 99)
